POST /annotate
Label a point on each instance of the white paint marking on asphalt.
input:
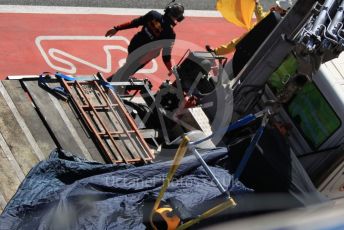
(96, 10)
(72, 69)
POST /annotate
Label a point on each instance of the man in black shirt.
(156, 34)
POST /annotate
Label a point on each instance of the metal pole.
(208, 170)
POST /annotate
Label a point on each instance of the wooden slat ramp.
(33, 122)
(19, 150)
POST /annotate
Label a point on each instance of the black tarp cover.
(65, 192)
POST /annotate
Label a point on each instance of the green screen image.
(313, 115)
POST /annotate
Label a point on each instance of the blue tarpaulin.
(66, 192)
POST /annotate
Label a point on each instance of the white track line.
(95, 10)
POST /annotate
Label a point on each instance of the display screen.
(313, 115)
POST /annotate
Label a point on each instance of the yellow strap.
(176, 162)
(213, 211)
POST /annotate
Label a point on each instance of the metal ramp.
(108, 120)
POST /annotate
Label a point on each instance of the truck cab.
(303, 43)
(315, 116)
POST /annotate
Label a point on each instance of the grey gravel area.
(156, 4)
(148, 4)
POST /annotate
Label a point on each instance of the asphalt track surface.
(68, 36)
(71, 39)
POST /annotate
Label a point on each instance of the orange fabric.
(172, 221)
(230, 46)
(238, 12)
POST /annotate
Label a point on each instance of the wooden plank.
(6, 153)
(83, 132)
(14, 141)
(9, 181)
(27, 117)
(53, 118)
(2, 203)
(70, 127)
(30, 116)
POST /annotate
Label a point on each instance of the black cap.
(175, 10)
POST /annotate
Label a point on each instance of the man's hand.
(209, 49)
(111, 32)
(278, 9)
(169, 65)
(169, 73)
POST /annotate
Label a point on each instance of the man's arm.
(229, 47)
(166, 54)
(259, 11)
(128, 25)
